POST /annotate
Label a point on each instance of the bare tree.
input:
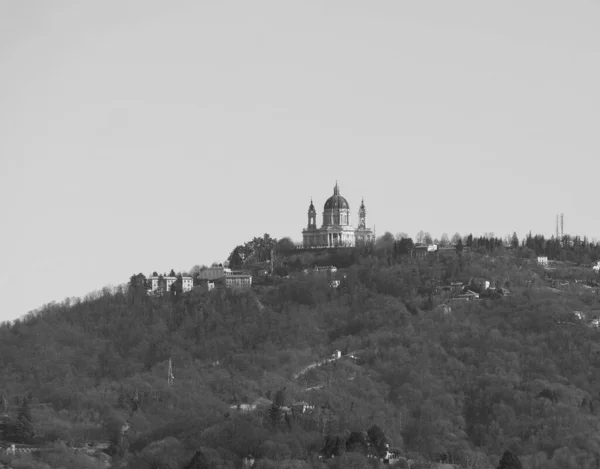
(196, 269)
(401, 235)
(455, 237)
(444, 240)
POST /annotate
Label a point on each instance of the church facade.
(337, 229)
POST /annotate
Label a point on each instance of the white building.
(336, 229)
(238, 281)
(542, 260)
(187, 282)
(597, 267)
(325, 269)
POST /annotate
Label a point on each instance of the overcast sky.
(141, 135)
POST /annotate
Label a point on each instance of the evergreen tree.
(469, 240)
(198, 461)
(509, 461)
(377, 439)
(514, 242)
(280, 398)
(23, 427)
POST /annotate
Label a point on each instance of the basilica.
(337, 229)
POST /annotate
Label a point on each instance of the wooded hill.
(516, 373)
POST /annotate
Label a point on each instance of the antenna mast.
(557, 226)
(562, 225)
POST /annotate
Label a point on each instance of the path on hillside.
(333, 358)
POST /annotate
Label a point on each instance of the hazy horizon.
(144, 135)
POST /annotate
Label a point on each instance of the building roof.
(336, 201)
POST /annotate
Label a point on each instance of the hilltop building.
(213, 273)
(186, 282)
(238, 280)
(336, 229)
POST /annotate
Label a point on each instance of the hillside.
(517, 372)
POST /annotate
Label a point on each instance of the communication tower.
(562, 225)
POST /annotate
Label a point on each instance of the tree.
(138, 286)
(404, 246)
(514, 241)
(194, 271)
(385, 245)
(357, 441)
(280, 398)
(177, 287)
(427, 239)
(237, 257)
(198, 461)
(456, 238)
(509, 461)
(4, 404)
(172, 273)
(469, 241)
(23, 427)
(444, 240)
(401, 235)
(284, 244)
(378, 440)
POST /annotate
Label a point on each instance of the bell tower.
(362, 216)
(312, 216)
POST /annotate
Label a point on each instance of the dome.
(336, 201)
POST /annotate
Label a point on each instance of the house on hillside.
(420, 251)
(594, 316)
(392, 455)
(328, 269)
(447, 252)
(213, 273)
(302, 407)
(244, 408)
(579, 315)
(454, 287)
(259, 405)
(466, 296)
(187, 283)
(542, 260)
(443, 309)
(597, 267)
(238, 281)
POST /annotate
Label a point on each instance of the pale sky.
(141, 135)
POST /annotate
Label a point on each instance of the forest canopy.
(459, 385)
